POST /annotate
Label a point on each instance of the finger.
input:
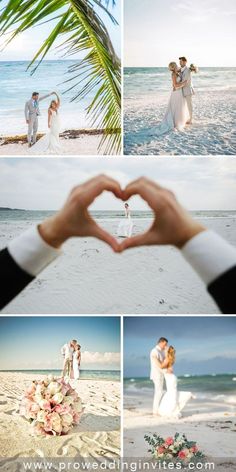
(139, 185)
(103, 235)
(104, 183)
(147, 192)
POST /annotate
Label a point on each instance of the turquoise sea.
(213, 387)
(113, 375)
(146, 95)
(17, 85)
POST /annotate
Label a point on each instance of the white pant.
(158, 392)
(32, 129)
(190, 105)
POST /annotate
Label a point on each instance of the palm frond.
(79, 29)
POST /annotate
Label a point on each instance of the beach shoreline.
(98, 433)
(84, 141)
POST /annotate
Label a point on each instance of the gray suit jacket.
(31, 111)
(187, 75)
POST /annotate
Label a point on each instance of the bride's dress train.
(175, 118)
(125, 227)
(176, 115)
(50, 143)
(173, 402)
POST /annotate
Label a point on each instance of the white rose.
(38, 397)
(67, 420)
(41, 416)
(68, 400)
(53, 388)
(58, 397)
(77, 406)
(56, 422)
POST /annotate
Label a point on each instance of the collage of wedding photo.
(117, 235)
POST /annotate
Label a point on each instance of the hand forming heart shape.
(171, 225)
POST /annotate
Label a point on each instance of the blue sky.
(199, 183)
(157, 32)
(35, 342)
(27, 44)
(203, 344)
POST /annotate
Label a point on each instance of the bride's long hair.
(172, 66)
(50, 106)
(171, 355)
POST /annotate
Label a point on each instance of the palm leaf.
(79, 29)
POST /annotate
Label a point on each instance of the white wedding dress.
(176, 115)
(173, 402)
(50, 142)
(125, 227)
(75, 366)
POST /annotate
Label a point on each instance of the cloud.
(105, 358)
(43, 184)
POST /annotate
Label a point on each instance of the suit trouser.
(32, 129)
(190, 105)
(158, 392)
(67, 368)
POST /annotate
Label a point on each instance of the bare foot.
(189, 122)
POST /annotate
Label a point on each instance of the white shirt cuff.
(31, 252)
(209, 255)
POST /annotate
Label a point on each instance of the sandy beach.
(146, 95)
(73, 142)
(89, 278)
(98, 433)
(212, 424)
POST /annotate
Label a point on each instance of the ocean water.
(113, 375)
(15, 215)
(17, 85)
(146, 94)
(205, 387)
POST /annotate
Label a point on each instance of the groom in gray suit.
(31, 116)
(188, 91)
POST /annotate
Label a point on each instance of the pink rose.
(160, 450)
(182, 455)
(194, 449)
(62, 409)
(169, 441)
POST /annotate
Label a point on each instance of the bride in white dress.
(76, 362)
(125, 227)
(172, 402)
(177, 113)
(50, 142)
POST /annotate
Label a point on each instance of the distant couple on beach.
(179, 111)
(50, 142)
(171, 403)
(72, 358)
(125, 227)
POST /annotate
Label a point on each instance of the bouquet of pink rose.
(174, 449)
(52, 406)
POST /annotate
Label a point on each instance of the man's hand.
(74, 219)
(171, 225)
